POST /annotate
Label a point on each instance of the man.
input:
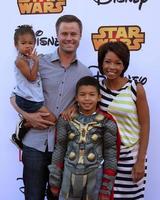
(60, 72)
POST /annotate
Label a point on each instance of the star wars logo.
(131, 35)
(104, 2)
(40, 6)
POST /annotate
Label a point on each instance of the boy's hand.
(55, 191)
(104, 197)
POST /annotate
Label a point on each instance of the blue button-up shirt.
(59, 92)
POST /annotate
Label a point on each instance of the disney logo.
(45, 41)
(138, 79)
(102, 2)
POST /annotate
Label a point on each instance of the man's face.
(69, 36)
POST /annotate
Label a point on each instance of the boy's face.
(87, 98)
(25, 44)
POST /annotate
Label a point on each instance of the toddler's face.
(25, 44)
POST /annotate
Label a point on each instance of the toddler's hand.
(34, 56)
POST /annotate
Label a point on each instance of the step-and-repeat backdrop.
(132, 21)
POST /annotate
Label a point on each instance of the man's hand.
(37, 121)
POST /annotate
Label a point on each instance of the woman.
(126, 101)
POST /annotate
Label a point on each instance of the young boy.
(84, 161)
(28, 91)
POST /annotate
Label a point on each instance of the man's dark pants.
(35, 173)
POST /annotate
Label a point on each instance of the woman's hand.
(138, 171)
(69, 112)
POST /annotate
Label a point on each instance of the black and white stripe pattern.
(125, 188)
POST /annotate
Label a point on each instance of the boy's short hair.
(21, 30)
(88, 81)
(68, 19)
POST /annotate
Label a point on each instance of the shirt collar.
(55, 57)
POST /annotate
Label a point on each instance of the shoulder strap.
(134, 90)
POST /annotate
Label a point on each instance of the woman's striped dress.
(121, 104)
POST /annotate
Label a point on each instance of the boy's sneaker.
(19, 134)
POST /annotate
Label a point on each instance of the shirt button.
(57, 107)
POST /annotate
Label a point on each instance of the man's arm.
(34, 119)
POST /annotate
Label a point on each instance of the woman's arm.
(144, 121)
